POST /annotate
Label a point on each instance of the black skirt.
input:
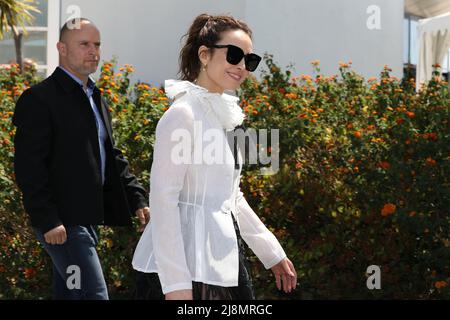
(148, 286)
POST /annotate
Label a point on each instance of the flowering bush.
(362, 181)
(23, 266)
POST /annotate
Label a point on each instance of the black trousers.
(148, 286)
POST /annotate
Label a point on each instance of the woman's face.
(219, 74)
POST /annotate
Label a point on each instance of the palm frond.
(16, 13)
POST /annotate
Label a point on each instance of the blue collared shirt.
(101, 130)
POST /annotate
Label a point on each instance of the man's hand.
(143, 216)
(285, 275)
(56, 235)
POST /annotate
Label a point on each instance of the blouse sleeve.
(168, 171)
(262, 242)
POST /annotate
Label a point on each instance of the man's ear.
(204, 55)
(62, 48)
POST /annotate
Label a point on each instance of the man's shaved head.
(79, 47)
(72, 24)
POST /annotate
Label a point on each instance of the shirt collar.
(224, 107)
(90, 82)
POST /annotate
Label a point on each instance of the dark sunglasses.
(235, 55)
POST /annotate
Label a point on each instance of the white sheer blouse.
(194, 189)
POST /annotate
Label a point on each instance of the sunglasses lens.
(234, 55)
(252, 61)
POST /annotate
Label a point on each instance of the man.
(71, 175)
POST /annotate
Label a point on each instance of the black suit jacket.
(57, 159)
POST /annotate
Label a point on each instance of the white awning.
(426, 8)
(434, 42)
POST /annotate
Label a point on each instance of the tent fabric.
(434, 42)
(426, 8)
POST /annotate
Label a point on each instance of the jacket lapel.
(78, 99)
(103, 110)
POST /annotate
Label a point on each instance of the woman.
(199, 214)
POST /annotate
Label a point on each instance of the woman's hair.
(205, 30)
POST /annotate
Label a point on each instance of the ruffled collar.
(224, 107)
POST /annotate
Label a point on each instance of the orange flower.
(410, 114)
(384, 165)
(29, 273)
(291, 95)
(399, 120)
(432, 136)
(115, 99)
(430, 162)
(388, 209)
(357, 134)
(436, 65)
(350, 126)
(412, 213)
(440, 284)
(305, 77)
(370, 127)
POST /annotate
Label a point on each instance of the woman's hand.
(285, 275)
(179, 295)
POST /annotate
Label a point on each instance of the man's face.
(80, 49)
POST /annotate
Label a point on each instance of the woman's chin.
(232, 86)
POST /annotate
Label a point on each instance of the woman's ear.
(204, 55)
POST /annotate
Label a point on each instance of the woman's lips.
(234, 76)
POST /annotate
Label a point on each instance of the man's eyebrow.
(87, 41)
